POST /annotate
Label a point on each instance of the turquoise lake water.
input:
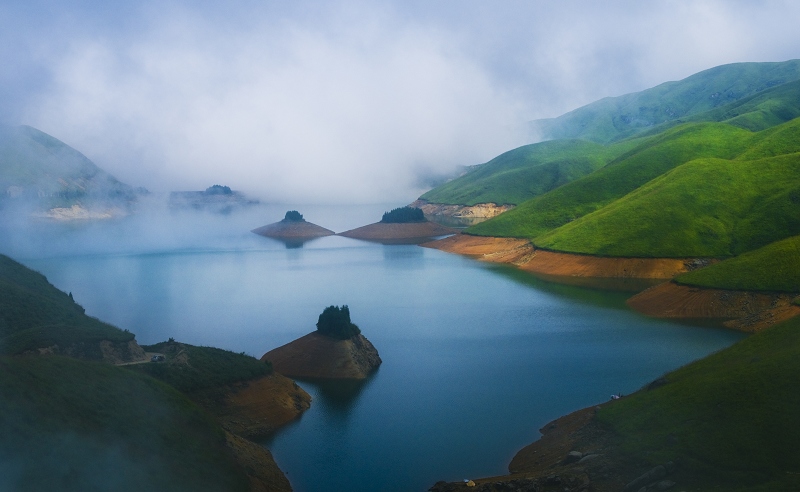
(477, 357)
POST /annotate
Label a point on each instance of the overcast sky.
(344, 101)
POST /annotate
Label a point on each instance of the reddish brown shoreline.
(522, 254)
(739, 310)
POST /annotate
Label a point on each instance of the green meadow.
(729, 420)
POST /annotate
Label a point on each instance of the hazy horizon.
(349, 101)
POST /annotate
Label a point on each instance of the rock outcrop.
(316, 356)
(479, 211)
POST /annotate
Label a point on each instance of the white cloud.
(286, 112)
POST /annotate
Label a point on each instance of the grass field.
(773, 268)
(707, 208)
(81, 426)
(730, 420)
(615, 118)
(525, 172)
(189, 368)
(649, 159)
(34, 314)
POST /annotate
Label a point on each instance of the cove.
(477, 357)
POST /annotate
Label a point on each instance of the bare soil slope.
(381, 231)
(522, 254)
(741, 310)
(316, 356)
(292, 230)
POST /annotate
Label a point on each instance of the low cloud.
(345, 101)
(351, 112)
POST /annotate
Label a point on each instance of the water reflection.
(339, 396)
(404, 256)
(598, 293)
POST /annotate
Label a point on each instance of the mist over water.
(476, 357)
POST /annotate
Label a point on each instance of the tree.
(404, 215)
(293, 216)
(335, 322)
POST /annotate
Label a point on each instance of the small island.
(293, 227)
(216, 198)
(400, 225)
(337, 350)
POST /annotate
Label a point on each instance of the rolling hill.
(42, 172)
(615, 118)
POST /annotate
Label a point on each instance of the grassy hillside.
(706, 207)
(524, 173)
(650, 158)
(34, 314)
(190, 369)
(615, 118)
(72, 425)
(41, 169)
(775, 267)
(729, 419)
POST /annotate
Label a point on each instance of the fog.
(347, 101)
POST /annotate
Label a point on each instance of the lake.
(477, 357)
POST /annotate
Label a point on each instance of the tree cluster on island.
(335, 322)
(293, 216)
(403, 215)
(218, 190)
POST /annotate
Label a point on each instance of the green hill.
(42, 170)
(191, 369)
(615, 118)
(34, 314)
(774, 268)
(71, 425)
(650, 158)
(706, 207)
(525, 172)
(729, 420)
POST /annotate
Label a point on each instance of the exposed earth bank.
(316, 356)
(522, 254)
(740, 310)
(480, 210)
(576, 453)
(293, 230)
(389, 232)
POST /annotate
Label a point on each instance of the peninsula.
(292, 227)
(400, 225)
(337, 350)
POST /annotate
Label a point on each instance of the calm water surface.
(476, 357)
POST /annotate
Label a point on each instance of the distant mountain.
(44, 173)
(533, 170)
(615, 118)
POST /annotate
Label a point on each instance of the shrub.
(218, 190)
(335, 322)
(293, 216)
(403, 215)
